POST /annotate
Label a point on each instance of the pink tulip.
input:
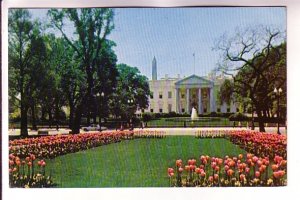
(257, 174)
(242, 177)
(180, 169)
(216, 177)
(247, 170)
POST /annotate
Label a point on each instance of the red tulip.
(240, 156)
(198, 170)
(257, 174)
(274, 167)
(232, 163)
(213, 165)
(171, 174)
(216, 177)
(226, 167)
(230, 172)
(192, 167)
(249, 155)
(255, 159)
(242, 177)
(187, 168)
(203, 174)
(170, 170)
(178, 163)
(259, 163)
(211, 179)
(220, 161)
(283, 163)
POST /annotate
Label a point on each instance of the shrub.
(238, 117)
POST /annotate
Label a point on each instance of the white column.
(212, 100)
(188, 101)
(177, 100)
(199, 101)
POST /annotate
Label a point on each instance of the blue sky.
(172, 35)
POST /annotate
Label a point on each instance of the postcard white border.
(293, 41)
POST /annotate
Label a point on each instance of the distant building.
(180, 95)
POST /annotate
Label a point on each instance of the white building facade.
(180, 95)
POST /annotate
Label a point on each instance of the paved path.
(169, 131)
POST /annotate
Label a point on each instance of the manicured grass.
(202, 122)
(133, 163)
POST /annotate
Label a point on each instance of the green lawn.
(203, 122)
(133, 163)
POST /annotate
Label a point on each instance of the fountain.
(194, 115)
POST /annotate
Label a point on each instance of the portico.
(194, 91)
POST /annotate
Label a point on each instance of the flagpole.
(194, 62)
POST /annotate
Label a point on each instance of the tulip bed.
(201, 134)
(24, 151)
(149, 134)
(260, 144)
(228, 171)
(28, 172)
(53, 146)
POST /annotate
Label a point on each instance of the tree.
(91, 28)
(255, 59)
(226, 92)
(21, 31)
(131, 85)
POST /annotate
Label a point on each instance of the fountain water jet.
(194, 115)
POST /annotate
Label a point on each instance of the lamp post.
(130, 102)
(100, 96)
(277, 93)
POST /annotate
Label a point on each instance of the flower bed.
(53, 146)
(235, 172)
(149, 134)
(28, 172)
(260, 144)
(211, 133)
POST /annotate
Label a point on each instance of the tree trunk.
(34, 126)
(77, 120)
(71, 117)
(43, 114)
(57, 114)
(50, 118)
(24, 122)
(260, 121)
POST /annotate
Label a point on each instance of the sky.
(173, 35)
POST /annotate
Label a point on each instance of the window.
(160, 95)
(237, 110)
(182, 96)
(228, 110)
(160, 110)
(170, 108)
(151, 110)
(218, 110)
(169, 94)
(204, 110)
(143, 110)
(182, 110)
